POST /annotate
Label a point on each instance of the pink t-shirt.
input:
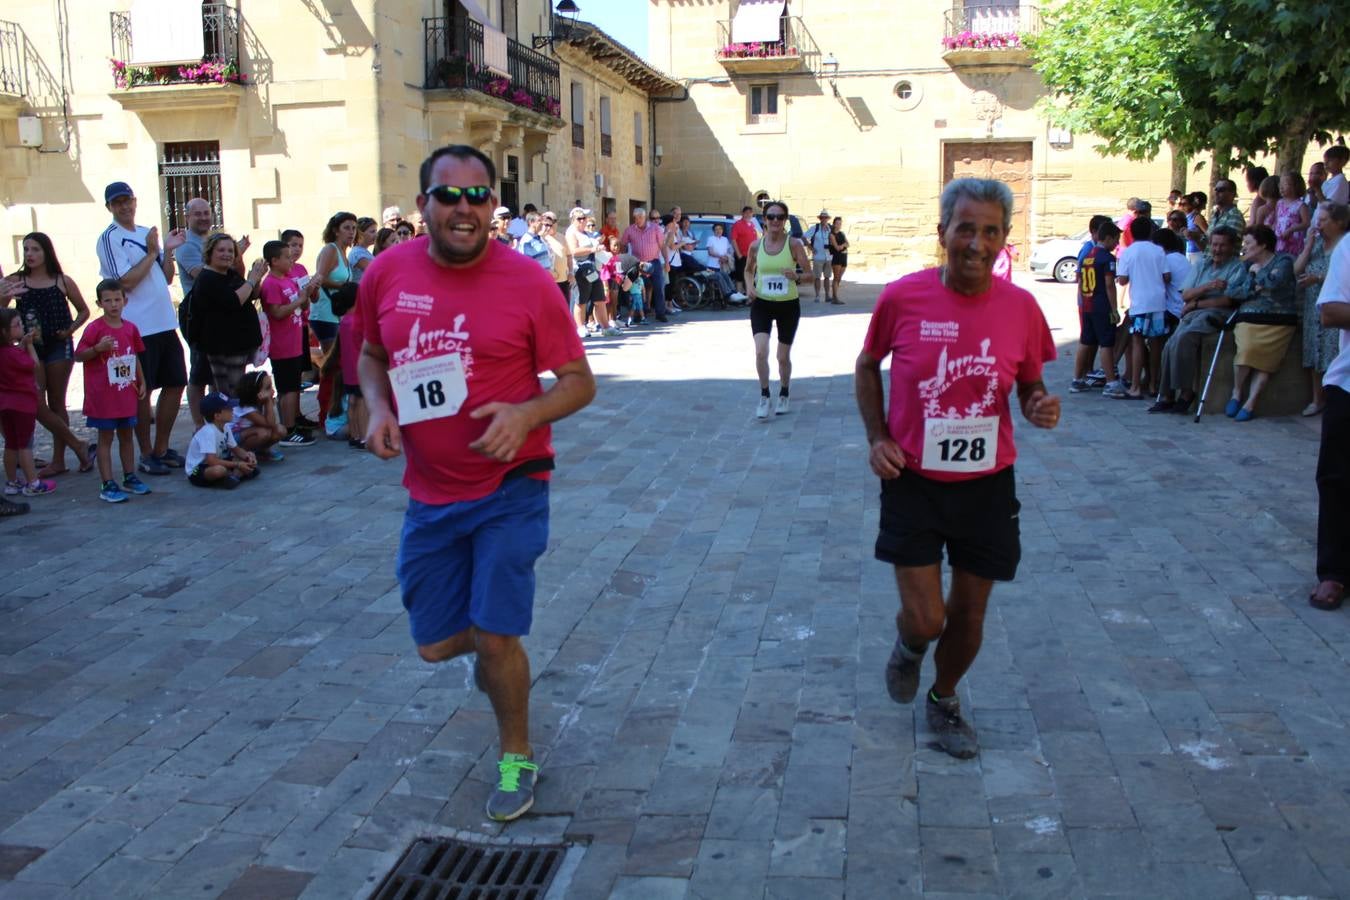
(110, 378)
(503, 321)
(286, 333)
(18, 383)
(954, 361)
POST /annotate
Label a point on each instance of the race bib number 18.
(429, 389)
(960, 445)
(121, 370)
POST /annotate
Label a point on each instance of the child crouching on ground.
(257, 424)
(18, 406)
(213, 458)
(113, 386)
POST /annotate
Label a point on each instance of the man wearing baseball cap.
(818, 238)
(132, 254)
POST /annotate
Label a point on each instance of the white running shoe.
(739, 297)
(762, 411)
(782, 406)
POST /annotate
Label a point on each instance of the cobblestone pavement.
(215, 694)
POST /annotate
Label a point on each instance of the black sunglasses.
(449, 195)
(774, 217)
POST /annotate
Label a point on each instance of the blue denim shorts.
(98, 424)
(472, 562)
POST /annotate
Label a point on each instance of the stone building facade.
(867, 108)
(284, 113)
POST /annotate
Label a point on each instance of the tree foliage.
(1237, 77)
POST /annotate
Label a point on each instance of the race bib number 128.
(429, 389)
(960, 445)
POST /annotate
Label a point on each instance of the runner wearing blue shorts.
(456, 328)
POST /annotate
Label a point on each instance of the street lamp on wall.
(561, 22)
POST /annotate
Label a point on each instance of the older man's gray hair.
(639, 212)
(980, 190)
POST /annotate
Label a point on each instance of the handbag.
(343, 298)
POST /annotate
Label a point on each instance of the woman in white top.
(591, 299)
(719, 252)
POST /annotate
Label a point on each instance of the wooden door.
(1009, 162)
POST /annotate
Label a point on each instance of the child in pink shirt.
(113, 386)
(18, 406)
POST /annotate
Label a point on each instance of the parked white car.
(1058, 257)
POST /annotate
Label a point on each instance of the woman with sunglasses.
(772, 272)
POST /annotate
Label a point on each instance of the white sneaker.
(762, 411)
(582, 332)
(782, 406)
(739, 297)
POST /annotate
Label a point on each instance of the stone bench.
(1287, 393)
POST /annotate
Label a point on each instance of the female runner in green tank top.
(773, 269)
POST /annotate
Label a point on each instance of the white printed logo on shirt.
(961, 440)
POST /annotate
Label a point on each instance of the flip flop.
(48, 472)
(1328, 604)
(90, 457)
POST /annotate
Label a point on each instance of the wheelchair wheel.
(690, 293)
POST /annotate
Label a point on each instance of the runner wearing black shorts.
(959, 342)
(772, 271)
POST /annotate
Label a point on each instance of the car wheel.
(1066, 270)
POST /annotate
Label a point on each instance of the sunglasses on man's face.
(449, 195)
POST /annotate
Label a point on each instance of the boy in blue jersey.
(1097, 315)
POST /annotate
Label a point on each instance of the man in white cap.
(818, 239)
(502, 217)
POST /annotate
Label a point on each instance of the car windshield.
(701, 232)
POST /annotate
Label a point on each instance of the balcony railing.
(220, 52)
(455, 59)
(989, 26)
(13, 77)
(793, 47)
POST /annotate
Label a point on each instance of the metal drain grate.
(447, 869)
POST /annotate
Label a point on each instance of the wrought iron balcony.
(794, 49)
(220, 53)
(982, 34)
(13, 74)
(456, 59)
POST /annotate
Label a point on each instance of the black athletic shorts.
(785, 313)
(286, 373)
(162, 361)
(976, 520)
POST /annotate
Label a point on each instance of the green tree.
(1277, 69)
(1123, 70)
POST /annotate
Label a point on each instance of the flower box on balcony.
(759, 58)
(985, 49)
(180, 96)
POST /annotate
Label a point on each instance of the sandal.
(90, 457)
(1327, 601)
(50, 471)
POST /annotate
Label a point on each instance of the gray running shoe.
(902, 672)
(515, 788)
(954, 734)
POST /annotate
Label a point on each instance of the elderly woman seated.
(1261, 346)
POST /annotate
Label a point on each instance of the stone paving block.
(728, 868)
(1039, 875)
(14, 857)
(635, 887)
(743, 813)
(606, 816)
(172, 835)
(816, 792)
(808, 848)
(54, 820)
(959, 860)
(309, 841)
(319, 762)
(1271, 861)
(1090, 801)
(79, 854)
(596, 873)
(121, 877)
(1113, 860)
(210, 866)
(664, 845)
(394, 821)
(804, 889)
(682, 790)
(263, 881)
